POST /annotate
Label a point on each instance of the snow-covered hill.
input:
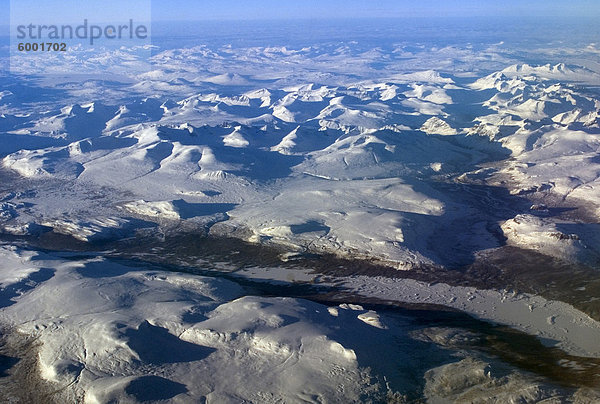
(432, 191)
(313, 167)
(93, 330)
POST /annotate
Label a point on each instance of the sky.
(257, 9)
(199, 10)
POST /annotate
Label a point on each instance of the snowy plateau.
(356, 216)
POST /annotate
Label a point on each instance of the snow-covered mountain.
(313, 167)
(386, 219)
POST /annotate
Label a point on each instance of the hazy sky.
(74, 10)
(214, 9)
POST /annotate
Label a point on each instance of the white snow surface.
(319, 167)
(107, 332)
(385, 154)
(555, 323)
